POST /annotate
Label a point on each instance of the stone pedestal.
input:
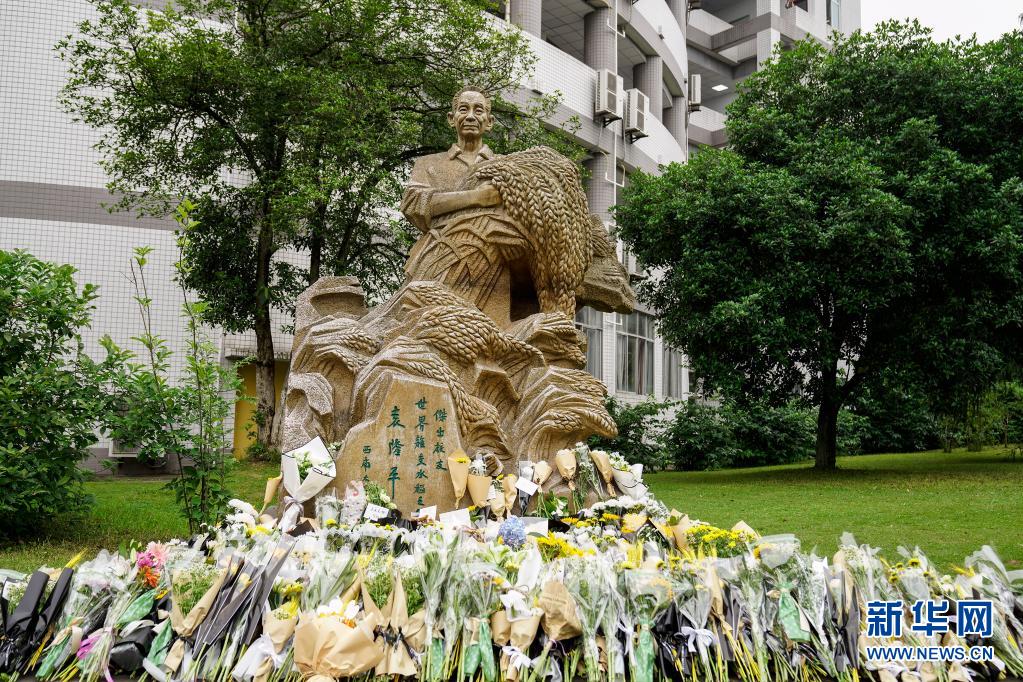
(405, 447)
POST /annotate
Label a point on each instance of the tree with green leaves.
(288, 123)
(54, 396)
(868, 219)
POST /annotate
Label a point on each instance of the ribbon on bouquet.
(254, 662)
(697, 639)
(517, 659)
(292, 510)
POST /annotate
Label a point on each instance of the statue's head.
(470, 114)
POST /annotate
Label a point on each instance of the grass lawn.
(124, 509)
(948, 504)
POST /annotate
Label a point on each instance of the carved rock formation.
(477, 351)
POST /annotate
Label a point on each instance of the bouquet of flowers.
(458, 470)
(337, 640)
(627, 477)
(478, 482)
(649, 592)
(567, 464)
(306, 471)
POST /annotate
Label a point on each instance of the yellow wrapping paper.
(603, 464)
(327, 646)
(521, 635)
(500, 627)
(541, 472)
(743, 526)
(459, 473)
(262, 673)
(186, 624)
(279, 630)
(560, 620)
(497, 505)
(678, 531)
(395, 618)
(479, 488)
(175, 655)
(272, 484)
(566, 463)
(511, 495)
(717, 600)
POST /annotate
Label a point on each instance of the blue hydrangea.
(512, 532)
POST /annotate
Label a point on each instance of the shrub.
(52, 394)
(897, 416)
(640, 428)
(699, 437)
(705, 436)
(771, 435)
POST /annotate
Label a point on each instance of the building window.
(591, 323)
(674, 373)
(635, 357)
(835, 14)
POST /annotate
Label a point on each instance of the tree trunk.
(265, 394)
(315, 258)
(277, 430)
(827, 418)
(263, 327)
(827, 435)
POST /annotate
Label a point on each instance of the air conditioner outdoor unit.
(637, 111)
(608, 101)
(695, 91)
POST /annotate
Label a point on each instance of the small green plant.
(189, 417)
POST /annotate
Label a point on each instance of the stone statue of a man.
(433, 192)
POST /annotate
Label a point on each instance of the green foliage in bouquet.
(53, 394)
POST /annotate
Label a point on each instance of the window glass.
(673, 373)
(591, 323)
(635, 353)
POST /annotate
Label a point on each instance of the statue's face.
(471, 116)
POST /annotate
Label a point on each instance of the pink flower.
(144, 559)
(159, 553)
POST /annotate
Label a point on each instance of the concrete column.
(610, 369)
(675, 120)
(526, 14)
(649, 78)
(600, 42)
(766, 40)
(678, 9)
(658, 387)
(600, 187)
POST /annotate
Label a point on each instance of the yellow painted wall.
(243, 409)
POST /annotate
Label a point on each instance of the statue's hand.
(488, 195)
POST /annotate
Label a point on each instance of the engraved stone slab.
(405, 443)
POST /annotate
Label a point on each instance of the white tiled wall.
(38, 141)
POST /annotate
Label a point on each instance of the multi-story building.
(625, 69)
